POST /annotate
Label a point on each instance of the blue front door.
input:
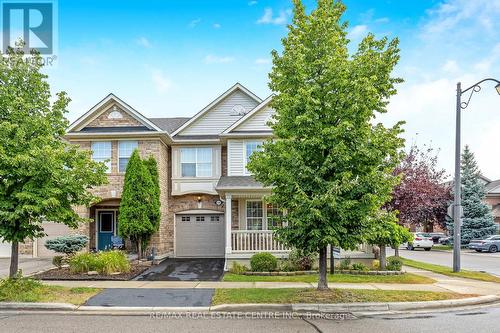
(106, 229)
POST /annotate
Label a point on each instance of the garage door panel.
(199, 238)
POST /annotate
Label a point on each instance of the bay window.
(101, 152)
(125, 150)
(196, 162)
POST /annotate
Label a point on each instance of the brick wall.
(104, 121)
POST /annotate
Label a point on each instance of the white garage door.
(52, 230)
(199, 236)
(5, 249)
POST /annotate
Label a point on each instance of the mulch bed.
(65, 274)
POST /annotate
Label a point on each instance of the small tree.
(330, 166)
(386, 232)
(154, 210)
(134, 220)
(67, 245)
(42, 177)
(477, 221)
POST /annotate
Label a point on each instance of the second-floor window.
(196, 162)
(125, 150)
(101, 152)
(250, 148)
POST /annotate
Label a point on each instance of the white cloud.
(160, 81)
(269, 18)
(382, 20)
(143, 41)
(358, 31)
(194, 23)
(262, 61)
(213, 59)
(216, 26)
(451, 66)
(252, 3)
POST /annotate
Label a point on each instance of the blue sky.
(171, 58)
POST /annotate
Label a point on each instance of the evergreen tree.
(134, 221)
(331, 165)
(154, 210)
(477, 221)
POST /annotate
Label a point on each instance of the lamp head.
(497, 87)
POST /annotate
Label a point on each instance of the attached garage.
(199, 235)
(52, 230)
(5, 249)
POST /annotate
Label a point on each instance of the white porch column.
(228, 223)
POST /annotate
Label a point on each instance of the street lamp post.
(457, 211)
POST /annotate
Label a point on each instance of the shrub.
(345, 264)
(287, 266)
(358, 266)
(58, 261)
(263, 262)
(394, 264)
(20, 289)
(112, 261)
(237, 268)
(68, 245)
(83, 262)
(302, 261)
(376, 264)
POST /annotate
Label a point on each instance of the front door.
(105, 229)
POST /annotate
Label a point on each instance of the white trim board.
(248, 115)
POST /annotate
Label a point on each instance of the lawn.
(442, 247)
(449, 272)
(286, 296)
(339, 278)
(28, 290)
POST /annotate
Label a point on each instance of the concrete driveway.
(470, 260)
(26, 264)
(191, 269)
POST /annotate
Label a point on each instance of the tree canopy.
(330, 165)
(42, 177)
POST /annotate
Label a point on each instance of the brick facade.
(105, 121)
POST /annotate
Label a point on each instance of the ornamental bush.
(68, 245)
(358, 266)
(301, 260)
(263, 262)
(103, 262)
(394, 264)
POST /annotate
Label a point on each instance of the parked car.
(445, 240)
(421, 240)
(436, 236)
(489, 244)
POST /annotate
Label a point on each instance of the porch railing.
(255, 241)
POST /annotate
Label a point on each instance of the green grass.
(449, 272)
(442, 247)
(285, 295)
(29, 290)
(339, 278)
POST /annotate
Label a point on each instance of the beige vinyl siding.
(235, 157)
(216, 120)
(257, 122)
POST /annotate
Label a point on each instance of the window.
(196, 162)
(125, 150)
(254, 215)
(186, 218)
(214, 218)
(200, 218)
(101, 152)
(250, 148)
(274, 216)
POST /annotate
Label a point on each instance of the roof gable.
(255, 120)
(112, 112)
(220, 113)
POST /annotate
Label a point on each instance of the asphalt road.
(471, 260)
(477, 321)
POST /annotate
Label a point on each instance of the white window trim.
(118, 151)
(245, 159)
(109, 160)
(264, 217)
(196, 163)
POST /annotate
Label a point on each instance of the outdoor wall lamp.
(457, 209)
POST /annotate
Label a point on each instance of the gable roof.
(99, 108)
(249, 115)
(169, 124)
(207, 108)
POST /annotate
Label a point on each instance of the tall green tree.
(154, 210)
(134, 221)
(330, 166)
(477, 221)
(41, 176)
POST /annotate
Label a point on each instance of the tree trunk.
(14, 259)
(396, 251)
(139, 248)
(332, 260)
(322, 282)
(383, 263)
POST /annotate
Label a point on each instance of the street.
(477, 321)
(471, 260)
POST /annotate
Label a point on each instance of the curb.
(299, 308)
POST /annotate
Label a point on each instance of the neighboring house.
(211, 206)
(493, 198)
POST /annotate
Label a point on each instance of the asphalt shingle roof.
(169, 124)
(232, 182)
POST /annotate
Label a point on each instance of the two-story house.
(210, 204)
